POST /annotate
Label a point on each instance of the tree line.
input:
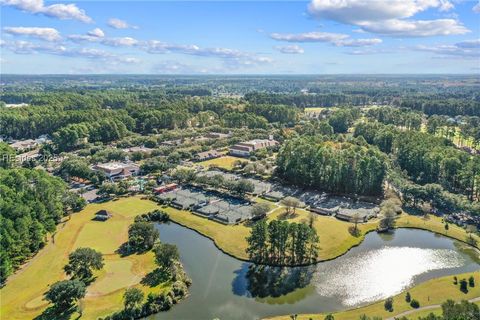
(425, 158)
(282, 243)
(31, 204)
(340, 167)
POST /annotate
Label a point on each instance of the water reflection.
(259, 281)
(226, 288)
(380, 273)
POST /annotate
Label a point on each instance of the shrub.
(179, 289)
(408, 298)
(471, 281)
(463, 286)
(414, 304)
(389, 304)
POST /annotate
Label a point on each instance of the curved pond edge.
(319, 260)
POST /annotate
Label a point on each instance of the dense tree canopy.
(31, 204)
(332, 166)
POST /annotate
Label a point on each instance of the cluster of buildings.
(463, 219)
(27, 144)
(344, 208)
(207, 137)
(207, 204)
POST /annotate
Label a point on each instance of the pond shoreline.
(223, 284)
(318, 260)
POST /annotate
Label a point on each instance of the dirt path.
(433, 306)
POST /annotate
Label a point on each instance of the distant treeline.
(450, 107)
(308, 100)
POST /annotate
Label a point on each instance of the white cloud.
(357, 11)
(388, 17)
(368, 51)
(97, 35)
(120, 42)
(416, 28)
(358, 42)
(309, 37)
(469, 49)
(231, 57)
(26, 47)
(476, 8)
(59, 10)
(469, 44)
(294, 49)
(337, 39)
(120, 24)
(48, 34)
(97, 32)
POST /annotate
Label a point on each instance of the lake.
(381, 266)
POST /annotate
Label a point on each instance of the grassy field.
(21, 298)
(314, 109)
(434, 224)
(334, 236)
(432, 292)
(225, 162)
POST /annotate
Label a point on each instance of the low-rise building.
(117, 170)
(245, 149)
(138, 149)
(207, 155)
(218, 135)
(23, 145)
(165, 188)
(172, 143)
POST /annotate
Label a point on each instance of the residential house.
(207, 155)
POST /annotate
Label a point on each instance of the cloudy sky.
(241, 37)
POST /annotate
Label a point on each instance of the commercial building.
(117, 170)
(245, 149)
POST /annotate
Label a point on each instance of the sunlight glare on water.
(380, 273)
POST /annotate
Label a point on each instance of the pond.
(381, 266)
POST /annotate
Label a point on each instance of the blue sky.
(240, 37)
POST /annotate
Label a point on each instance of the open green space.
(225, 162)
(23, 293)
(434, 224)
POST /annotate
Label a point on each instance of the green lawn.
(21, 298)
(91, 232)
(225, 162)
(434, 224)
